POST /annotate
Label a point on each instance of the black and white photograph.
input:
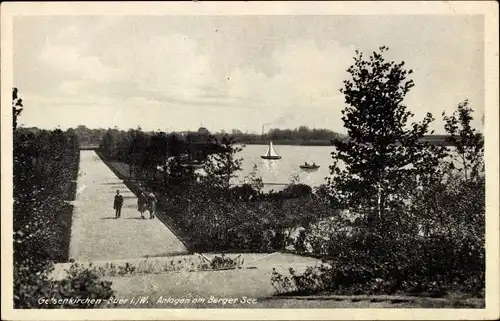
(193, 159)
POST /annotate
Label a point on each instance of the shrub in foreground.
(45, 162)
(80, 283)
(368, 264)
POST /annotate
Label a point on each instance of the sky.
(175, 73)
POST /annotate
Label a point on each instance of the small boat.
(271, 153)
(309, 167)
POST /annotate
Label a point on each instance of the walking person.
(151, 204)
(142, 203)
(118, 203)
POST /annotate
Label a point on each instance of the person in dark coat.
(142, 203)
(117, 205)
(151, 204)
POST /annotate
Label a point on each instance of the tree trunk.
(465, 167)
(379, 202)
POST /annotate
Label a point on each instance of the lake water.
(277, 173)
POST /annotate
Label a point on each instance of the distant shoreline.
(433, 139)
(288, 142)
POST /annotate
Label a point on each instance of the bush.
(431, 244)
(439, 248)
(223, 262)
(359, 262)
(239, 223)
(81, 283)
(44, 165)
(297, 190)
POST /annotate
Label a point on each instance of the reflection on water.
(270, 163)
(277, 173)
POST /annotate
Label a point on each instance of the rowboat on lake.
(309, 167)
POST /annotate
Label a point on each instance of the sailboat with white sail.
(271, 153)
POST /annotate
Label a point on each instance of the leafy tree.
(468, 144)
(87, 136)
(44, 164)
(107, 143)
(252, 186)
(429, 225)
(381, 154)
(454, 204)
(178, 173)
(17, 107)
(130, 151)
(222, 167)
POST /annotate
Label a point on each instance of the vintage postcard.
(250, 160)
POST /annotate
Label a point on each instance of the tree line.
(302, 135)
(299, 135)
(146, 152)
(45, 169)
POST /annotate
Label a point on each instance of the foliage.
(45, 167)
(160, 160)
(254, 181)
(301, 134)
(162, 265)
(381, 154)
(426, 266)
(262, 223)
(430, 239)
(215, 194)
(282, 284)
(87, 136)
(177, 174)
(209, 211)
(17, 107)
(221, 168)
(468, 144)
(223, 262)
(297, 190)
(80, 283)
(246, 192)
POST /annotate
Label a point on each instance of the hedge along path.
(95, 233)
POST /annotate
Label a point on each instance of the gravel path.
(97, 235)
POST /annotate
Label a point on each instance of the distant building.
(203, 131)
(203, 134)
